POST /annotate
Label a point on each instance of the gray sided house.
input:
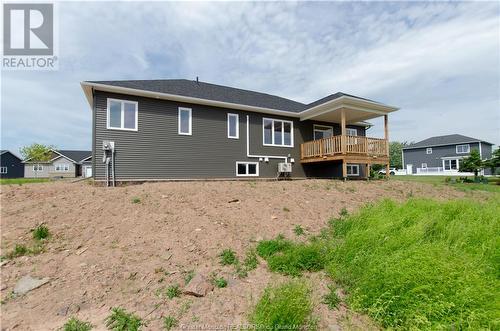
(181, 129)
(11, 166)
(63, 164)
(441, 155)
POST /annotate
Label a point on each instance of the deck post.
(387, 174)
(342, 131)
(386, 133)
(344, 169)
(367, 171)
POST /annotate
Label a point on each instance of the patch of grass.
(173, 291)
(220, 282)
(74, 324)
(298, 258)
(284, 307)
(251, 262)
(422, 264)
(20, 181)
(136, 200)
(266, 248)
(228, 257)
(298, 230)
(189, 276)
(121, 320)
(331, 299)
(170, 322)
(241, 271)
(344, 212)
(41, 232)
(285, 209)
(491, 186)
(19, 250)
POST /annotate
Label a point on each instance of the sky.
(438, 62)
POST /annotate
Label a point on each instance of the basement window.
(247, 169)
(122, 115)
(353, 170)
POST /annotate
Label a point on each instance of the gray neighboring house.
(63, 163)
(441, 155)
(181, 129)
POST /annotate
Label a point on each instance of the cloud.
(438, 61)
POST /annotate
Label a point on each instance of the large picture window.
(277, 132)
(122, 115)
(233, 130)
(185, 121)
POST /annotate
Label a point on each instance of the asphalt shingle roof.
(450, 139)
(77, 156)
(202, 90)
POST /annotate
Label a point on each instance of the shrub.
(332, 300)
(220, 282)
(267, 248)
(121, 320)
(228, 257)
(170, 322)
(298, 230)
(287, 306)
(173, 291)
(74, 324)
(41, 232)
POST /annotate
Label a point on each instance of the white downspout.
(259, 156)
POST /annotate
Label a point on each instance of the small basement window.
(233, 130)
(247, 169)
(3, 170)
(122, 115)
(353, 170)
(185, 121)
(428, 150)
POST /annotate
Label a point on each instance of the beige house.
(63, 164)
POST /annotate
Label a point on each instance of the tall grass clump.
(422, 264)
(284, 307)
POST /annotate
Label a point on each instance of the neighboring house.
(441, 155)
(63, 163)
(182, 129)
(11, 166)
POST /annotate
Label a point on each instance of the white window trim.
(3, 170)
(62, 167)
(449, 160)
(356, 166)
(347, 130)
(468, 149)
(424, 165)
(428, 150)
(248, 175)
(237, 126)
(282, 132)
(181, 109)
(39, 167)
(316, 127)
(122, 115)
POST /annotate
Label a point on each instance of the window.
(352, 170)
(37, 167)
(450, 164)
(3, 170)
(185, 121)
(463, 149)
(247, 169)
(351, 132)
(122, 115)
(277, 132)
(62, 167)
(424, 165)
(322, 131)
(428, 150)
(233, 130)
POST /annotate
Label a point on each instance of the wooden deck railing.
(344, 145)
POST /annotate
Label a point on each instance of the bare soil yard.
(124, 246)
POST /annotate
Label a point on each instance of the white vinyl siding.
(352, 170)
(185, 121)
(277, 132)
(233, 126)
(122, 115)
(248, 169)
(463, 149)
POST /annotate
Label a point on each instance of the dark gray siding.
(15, 168)
(418, 156)
(157, 151)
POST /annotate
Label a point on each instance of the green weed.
(228, 257)
(121, 320)
(298, 230)
(331, 299)
(170, 322)
(41, 232)
(173, 291)
(136, 200)
(74, 324)
(220, 282)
